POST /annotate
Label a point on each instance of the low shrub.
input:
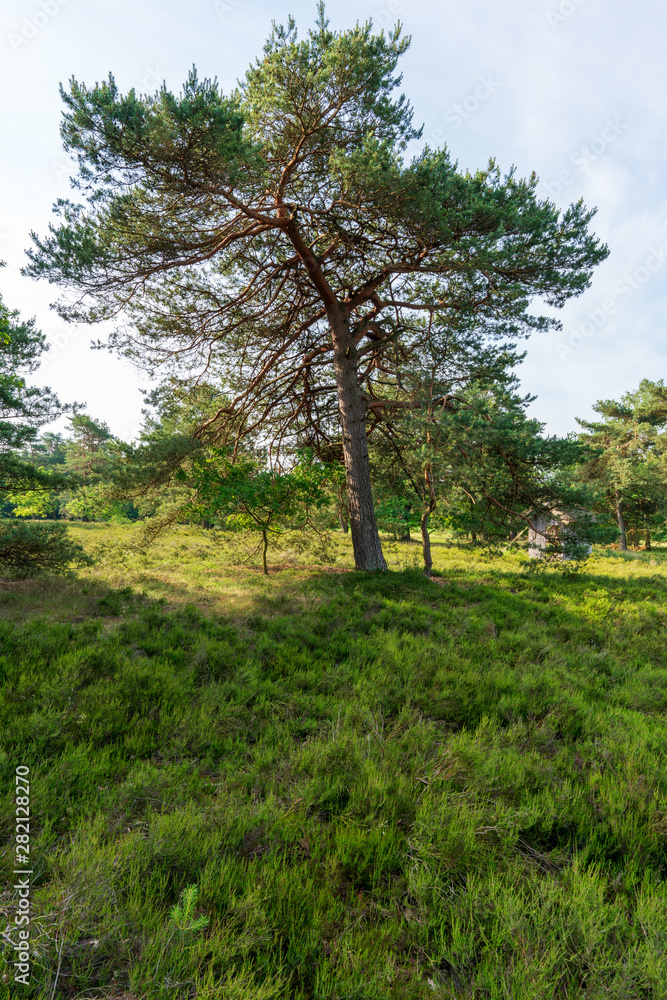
(27, 548)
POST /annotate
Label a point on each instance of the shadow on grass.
(349, 766)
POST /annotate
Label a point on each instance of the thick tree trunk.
(622, 538)
(365, 538)
(473, 536)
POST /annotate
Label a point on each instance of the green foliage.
(627, 458)
(243, 496)
(24, 408)
(223, 209)
(95, 503)
(35, 503)
(27, 548)
(380, 787)
(397, 513)
(183, 913)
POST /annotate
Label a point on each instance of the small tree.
(153, 474)
(27, 548)
(241, 496)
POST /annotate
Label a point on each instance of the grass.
(328, 785)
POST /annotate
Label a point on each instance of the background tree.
(486, 469)
(408, 439)
(26, 548)
(85, 453)
(50, 450)
(627, 458)
(23, 408)
(276, 239)
(147, 473)
(87, 459)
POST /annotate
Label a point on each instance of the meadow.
(329, 785)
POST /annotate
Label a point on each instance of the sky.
(571, 89)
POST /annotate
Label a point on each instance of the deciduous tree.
(242, 495)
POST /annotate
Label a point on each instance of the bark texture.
(622, 536)
(365, 538)
(265, 547)
(429, 506)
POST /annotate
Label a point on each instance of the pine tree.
(628, 457)
(275, 240)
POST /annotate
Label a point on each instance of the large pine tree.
(276, 240)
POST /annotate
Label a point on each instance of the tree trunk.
(426, 544)
(429, 506)
(473, 536)
(622, 540)
(266, 545)
(365, 538)
(647, 545)
(342, 512)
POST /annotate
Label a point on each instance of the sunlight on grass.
(327, 784)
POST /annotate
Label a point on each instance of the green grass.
(327, 785)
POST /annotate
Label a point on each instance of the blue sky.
(572, 89)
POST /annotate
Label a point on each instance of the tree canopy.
(276, 240)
